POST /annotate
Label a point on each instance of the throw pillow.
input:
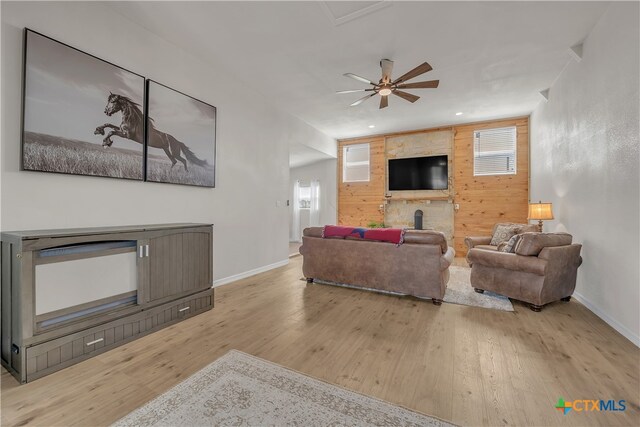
(503, 233)
(510, 246)
(531, 244)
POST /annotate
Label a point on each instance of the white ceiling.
(301, 155)
(492, 58)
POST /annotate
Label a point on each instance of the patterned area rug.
(239, 389)
(460, 291)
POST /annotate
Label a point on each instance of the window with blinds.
(494, 151)
(355, 163)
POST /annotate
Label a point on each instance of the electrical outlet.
(278, 203)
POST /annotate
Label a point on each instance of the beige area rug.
(239, 389)
(460, 291)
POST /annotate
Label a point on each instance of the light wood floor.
(468, 365)
(294, 248)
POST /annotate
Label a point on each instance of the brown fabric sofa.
(418, 267)
(543, 269)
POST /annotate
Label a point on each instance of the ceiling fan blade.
(358, 78)
(384, 102)
(361, 100)
(432, 84)
(387, 67)
(420, 69)
(409, 97)
(354, 90)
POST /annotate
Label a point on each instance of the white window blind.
(494, 151)
(355, 163)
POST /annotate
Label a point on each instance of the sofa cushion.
(503, 232)
(510, 246)
(426, 237)
(531, 244)
(522, 228)
(528, 228)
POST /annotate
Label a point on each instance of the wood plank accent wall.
(483, 200)
(359, 202)
(486, 200)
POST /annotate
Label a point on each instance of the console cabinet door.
(179, 264)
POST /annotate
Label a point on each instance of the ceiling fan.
(386, 86)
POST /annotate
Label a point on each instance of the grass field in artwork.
(159, 169)
(57, 154)
(49, 153)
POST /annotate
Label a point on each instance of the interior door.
(179, 264)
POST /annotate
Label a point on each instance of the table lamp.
(540, 211)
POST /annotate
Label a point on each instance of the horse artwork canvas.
(67, 128)
(181, 138)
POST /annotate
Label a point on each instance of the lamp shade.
(540, 211)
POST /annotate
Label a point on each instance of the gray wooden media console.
(169, 267)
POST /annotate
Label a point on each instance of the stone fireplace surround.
(437, 205)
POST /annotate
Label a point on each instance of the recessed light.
(372, 126)
(459, 113)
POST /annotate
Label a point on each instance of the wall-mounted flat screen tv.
(419, 173)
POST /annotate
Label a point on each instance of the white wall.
(253, 139)
(584, 159)
(324, 171)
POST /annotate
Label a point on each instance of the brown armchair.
(484, 242)
(543, 269)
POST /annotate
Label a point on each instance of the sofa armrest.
(509, 261)
(447, 258)
(471, 242)
(313, 231)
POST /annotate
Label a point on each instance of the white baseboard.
(235, 277)
(610, 321)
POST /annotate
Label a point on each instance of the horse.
(132, 127)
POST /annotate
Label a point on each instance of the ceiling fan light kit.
(386, 86)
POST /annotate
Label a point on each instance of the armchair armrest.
(447, 258)
(508, 261)
(478, 240)
(563, 256)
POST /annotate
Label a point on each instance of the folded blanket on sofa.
(391, 235)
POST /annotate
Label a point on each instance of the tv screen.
(419, 173)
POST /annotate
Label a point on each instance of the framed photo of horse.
(181, 138)
(81, 115)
